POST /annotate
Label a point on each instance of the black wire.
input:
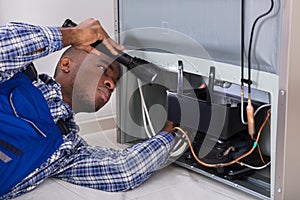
(250, 43)
(242, 40)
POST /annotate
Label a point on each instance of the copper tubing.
(231, 162)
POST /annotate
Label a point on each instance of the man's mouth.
(104, 94)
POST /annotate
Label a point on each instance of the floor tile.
(172, 182)
(50, 190)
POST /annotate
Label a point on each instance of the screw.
(279, 190)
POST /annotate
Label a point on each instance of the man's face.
(94, 83)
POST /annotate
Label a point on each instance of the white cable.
(145, 112)
(256, 168)
(145, 124)
(151, 133)
(181, 149)
(261, 107)
(144, 121)
(178, 143)
(255, 113)
(242, 107)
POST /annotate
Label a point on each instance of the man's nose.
(109, 84)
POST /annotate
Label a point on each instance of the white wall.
(54, 13)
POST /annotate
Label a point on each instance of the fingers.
(169, 125)
(90, 31)
(116, 45)
(95, 52)
(112, 46)
(87, 48)
(202, 86)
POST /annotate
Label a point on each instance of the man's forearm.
(22, 43)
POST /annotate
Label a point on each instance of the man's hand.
(169, 127)
(86, 33)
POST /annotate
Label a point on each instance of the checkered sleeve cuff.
(53, 38)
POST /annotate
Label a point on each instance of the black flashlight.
(141, 68)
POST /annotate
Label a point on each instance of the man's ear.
(65, 64)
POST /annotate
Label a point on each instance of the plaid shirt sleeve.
(22, 43)
(137, 163)
(100, 168)
(117, 170)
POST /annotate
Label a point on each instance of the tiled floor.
(170, 182)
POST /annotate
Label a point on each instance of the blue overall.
(28, 134)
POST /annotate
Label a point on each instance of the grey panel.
(202, 28)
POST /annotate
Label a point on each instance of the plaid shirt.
(75, 161)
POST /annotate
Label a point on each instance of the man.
(77, 87)
(87, 80)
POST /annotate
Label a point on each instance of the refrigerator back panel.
(201, 28)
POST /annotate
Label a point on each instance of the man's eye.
(102, 67)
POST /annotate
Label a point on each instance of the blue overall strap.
(32, 74)
(28, 134)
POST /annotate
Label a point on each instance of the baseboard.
(96, 125)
